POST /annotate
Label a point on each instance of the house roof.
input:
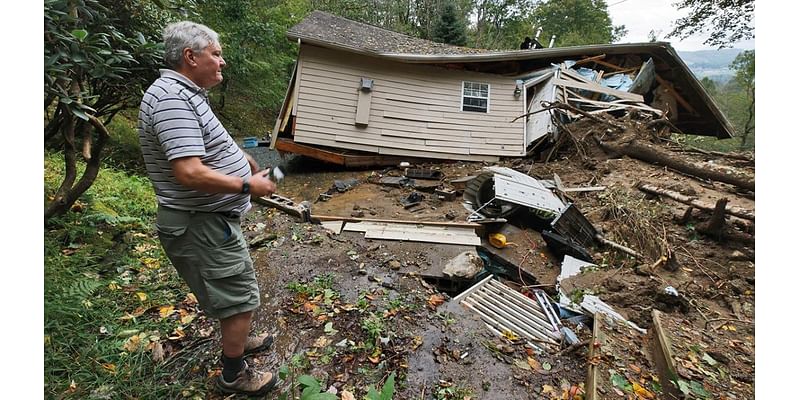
(333, 32)
(328, 30)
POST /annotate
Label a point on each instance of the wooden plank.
(471, 225)
(594, 353)
(674, 93)
(599, 89)
(588, 60)
(333, 226)
(422, 237)
(663, 357)
(290, 146)
(446, 156)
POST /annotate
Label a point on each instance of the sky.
(641, 16)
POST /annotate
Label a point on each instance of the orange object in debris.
(499, 240)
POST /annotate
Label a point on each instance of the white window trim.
(488, 96)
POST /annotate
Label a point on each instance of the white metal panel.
(518, 188)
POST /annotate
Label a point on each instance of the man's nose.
(222, 62)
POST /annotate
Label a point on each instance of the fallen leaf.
(310, 307)
(72, 386)
(187, 319)
(347, 395)
(132, 343)
(177, 334)
(113, 286)
(522, 364)
(110, 368)
(534, 363)
(416, 342)
(190, 298)
(547, 389)
(375, 359)
(642, 392)
(635, 369)
(158, 352)
(321, 342)
(707, 358)
(435, 301)
(142, 296)
(546, 366)
(510, 335)
(151, 263)
(166, 311)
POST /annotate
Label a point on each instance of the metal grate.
(504, 309)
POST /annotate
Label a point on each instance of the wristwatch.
(245, 186)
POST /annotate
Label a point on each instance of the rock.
(465, 265)
(394, 264)
(357, 214)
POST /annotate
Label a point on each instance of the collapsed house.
(362, 95)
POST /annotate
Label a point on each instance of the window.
(475, 97)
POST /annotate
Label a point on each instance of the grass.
(108, 289)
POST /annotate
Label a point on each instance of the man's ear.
(188, 58)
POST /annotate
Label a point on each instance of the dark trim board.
(341, 157)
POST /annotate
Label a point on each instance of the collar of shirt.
(168, 73)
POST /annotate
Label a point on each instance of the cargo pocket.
(171, 227)
(228, 286)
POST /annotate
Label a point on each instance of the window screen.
(475, 97)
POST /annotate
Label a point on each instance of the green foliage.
(259, 59)
(93, 268)
(374, 326)
(576, 22)
(727, 21)
(736, 99)
(502, 24)
(450, 27)
(312, 390)
(386, 392)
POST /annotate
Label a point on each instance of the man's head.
(194, 50)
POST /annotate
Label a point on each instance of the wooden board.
(415, 233)
(600, 89)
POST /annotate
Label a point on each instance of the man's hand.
(253, 163)
(261, 185)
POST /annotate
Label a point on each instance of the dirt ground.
(381, 315)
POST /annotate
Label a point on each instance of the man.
(203, 182)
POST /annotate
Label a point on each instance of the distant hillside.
(711, 63)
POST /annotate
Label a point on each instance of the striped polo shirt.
(175, 120)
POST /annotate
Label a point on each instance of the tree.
(450, 26)
(729, 21)
(95, 66)
(745, 66)
(577, 22)
(502, 24)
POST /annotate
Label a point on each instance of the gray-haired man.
(203, 182)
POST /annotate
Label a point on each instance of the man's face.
(208, 68)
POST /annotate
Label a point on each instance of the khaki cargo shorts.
(210, 254)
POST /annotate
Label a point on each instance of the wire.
(619, 2)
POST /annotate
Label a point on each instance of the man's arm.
(192, 173)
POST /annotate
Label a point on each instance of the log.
(693, 202)
(651, 155)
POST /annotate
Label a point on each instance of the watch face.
(245, 187)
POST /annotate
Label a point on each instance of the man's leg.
(235, 330)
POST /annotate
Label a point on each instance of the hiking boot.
(249, 381)
(254, 344)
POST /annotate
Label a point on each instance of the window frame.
(488, 96)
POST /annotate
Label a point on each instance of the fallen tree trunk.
(648, 154)
(732, 210)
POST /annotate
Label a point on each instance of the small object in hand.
(276, 174)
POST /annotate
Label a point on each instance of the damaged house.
(362, 95)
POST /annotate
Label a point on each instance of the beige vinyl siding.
(415, 110)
